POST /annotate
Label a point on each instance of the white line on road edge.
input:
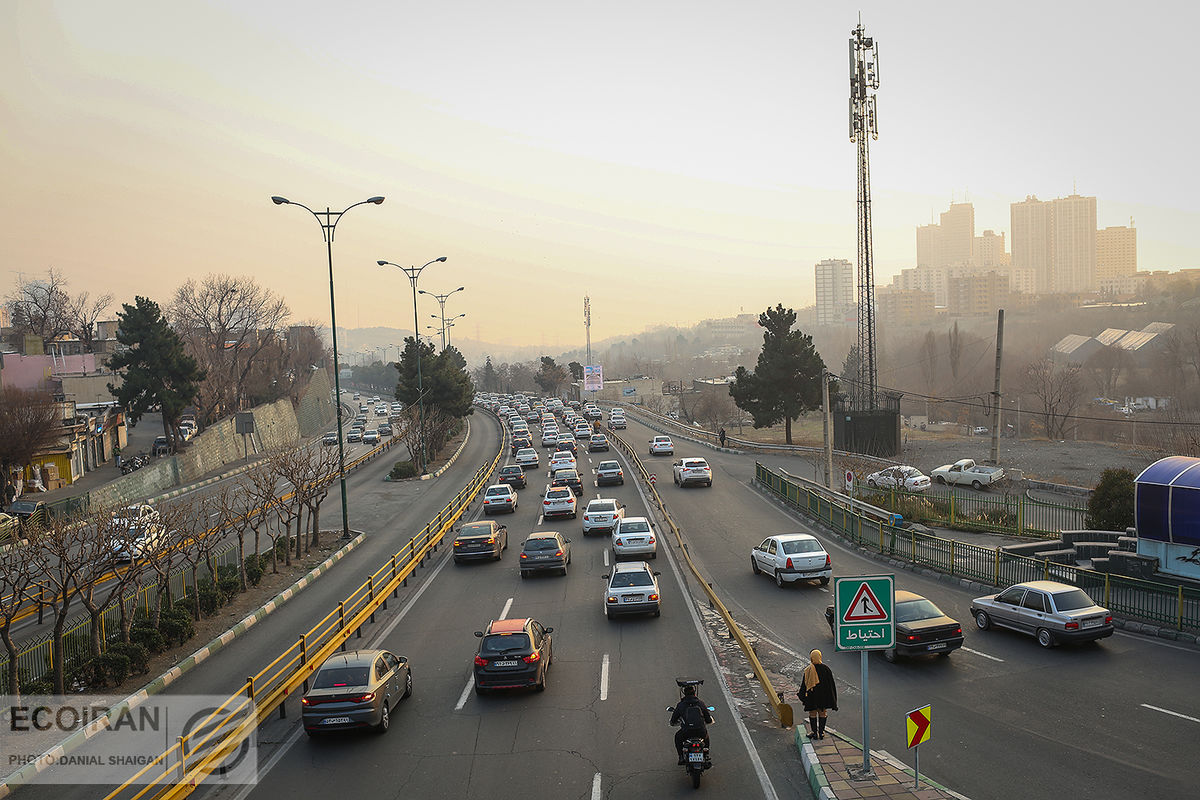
(764, 780)
(603, 681)
(606, 558)
(507, 606)
(985, 655)
(466, 692)
(596, 787)
(1164, 711)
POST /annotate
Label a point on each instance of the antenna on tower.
(587, 327)
(864, 125)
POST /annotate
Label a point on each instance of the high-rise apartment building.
(1074, 268)
(1032, 227)
(989, 250)
(1116, 253)
(835, 291)
(958, 235)
(929, 245)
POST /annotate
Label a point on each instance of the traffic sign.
(849, 480)
(864, 616)
(653, 478)
(919, 723)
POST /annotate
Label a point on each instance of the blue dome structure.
(1167, 514)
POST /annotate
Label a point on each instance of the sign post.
(864, 620)
(919, 725)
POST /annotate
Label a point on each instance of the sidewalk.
(832, 763)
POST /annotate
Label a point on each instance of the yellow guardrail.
(179, 770)
(783, 711)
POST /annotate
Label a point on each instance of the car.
(370, 437)
(1051, 612)
(499, 497)
(360, 421)
(609, 473)
(357, 689)
(513, 654)
(909, 479)
(513, 475)
(136, 533)
(692, 470)
(385, 430)
(791, 557)
(480, 540)
(979, 430)
(632, 589)
(550, 437)
(598, 443)
(569, 478)
(161, 446)
(381, 410)
(136, 515)
(559, 501)
(354, 435)
(562, 459)
(921, 628)
(520, 443)
(634, 536)
(569, 445)
(662, 446)
(545, 550)
(617, 423)
(527, 458)
(593, 413)
(603, 515)
(583, 431)
(965, 472)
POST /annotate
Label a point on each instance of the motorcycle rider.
(691, 715)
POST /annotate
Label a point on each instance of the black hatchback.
(513, 654)
(513, 475)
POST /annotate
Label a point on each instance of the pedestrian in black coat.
(818, 693)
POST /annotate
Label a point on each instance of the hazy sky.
(674, 160)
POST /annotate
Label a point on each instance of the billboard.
(593, 378)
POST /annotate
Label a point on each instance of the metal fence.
(1012, 514)
(1163, 604)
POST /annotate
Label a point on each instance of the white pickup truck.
(966, 472)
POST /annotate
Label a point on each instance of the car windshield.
(499, 644)
(695, 464)
(23, 507)
(606, 507)
(541, 544)
(496, 491)
(634, 526)
(337, 677)
(528, 451)
(511, 471)
(801, 546)
(1072, 600)
(625, 579)
(605, 465)
(127, 514)
(566, 475)
(916, 609)
(476, 529)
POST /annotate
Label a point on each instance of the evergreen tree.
(1110, 508)
(444, 378)
(576, 370)
(491, 381)
(550, 376)
(786, 381)
(157, 371)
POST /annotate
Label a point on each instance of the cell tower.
(864, 126)
(587, 325)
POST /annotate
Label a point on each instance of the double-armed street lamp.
(441, 299)
(328, 220)
(413, 273)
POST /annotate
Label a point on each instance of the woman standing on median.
(818, 693)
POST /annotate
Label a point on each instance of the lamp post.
(448, 324)
(328, 220)
(413, 273)
(441, 298)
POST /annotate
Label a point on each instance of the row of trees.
(70, 561)
(544, 374)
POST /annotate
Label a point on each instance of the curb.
(156, 685)
(817, 779)
(427, 476)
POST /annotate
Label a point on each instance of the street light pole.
(413, 273)
(328, 220)
(441, 298)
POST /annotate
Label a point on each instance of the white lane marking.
(596, 787)
(507, 606)
(539, 522)
(606, 558)
(466, 692)
(985, 655)
(1154, 708)
(604, 677)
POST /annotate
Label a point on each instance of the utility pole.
(864, 80)
(587, 328)
(996, 396)
(828, 430)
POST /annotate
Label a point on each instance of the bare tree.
(16, 590)
(954, 350)
(320, 468)
(1104, 368)
(41, 307)
(1057, 389)
(929, 366)
(55, 555)
(82, 314)
(261, 497)
(98, 535)
(29, 423)
(168, 553)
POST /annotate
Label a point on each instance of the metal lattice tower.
(864, 80)
(587, 325)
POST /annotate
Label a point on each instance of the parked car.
(921, 628)
(909, 479)
(966, 472)
(662, 446)
(29, 513)
(480, 540)
(634, 536)
(692, 470)
(1051, 612)
(545, 550)
(499, 497)
(357, 689)
(602, 514)
(791, 557)
(632, 589)
(609, 473)
(513, 475)
(513, 654)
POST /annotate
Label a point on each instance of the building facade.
(835, 291)
(1116, 253)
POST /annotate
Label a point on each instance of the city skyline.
(653, 170)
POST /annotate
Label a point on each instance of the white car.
(527, 458)
(791, 557)
(617, 423)
(558, 502)
(549, 437)
(662, 446)
(909, 479)
(634, 536)
(563, 459)
(583, 431)
(370, 437)
(602, 514)
(632, 589)
(499, 497)
(136, 532)
(692, 470)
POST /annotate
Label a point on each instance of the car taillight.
(480, 661)
(363, 698)
(524, 555)
(532, 657)
(651, 540)
(958, 631)
(558, 552)
(491, 540)
(1072, 626)
(618, 543)
(304, 701)
(545, 502)
(1108, 619)
(457, 543)
(912, 637)
(586, 518)
(789, 563)
(612, 599)
(827, 561)
(654, 597)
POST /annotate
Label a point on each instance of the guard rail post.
(371, 596)
(304, 658)
(342, 622)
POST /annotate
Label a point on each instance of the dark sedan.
(521, 441)
(922, 629)
(513, 475)
(480, 541)
(513, 654)
(546, 550)
(355, 690)
(569, 478)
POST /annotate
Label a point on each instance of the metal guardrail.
(783, 711)
(172, 774)
(1165, 604)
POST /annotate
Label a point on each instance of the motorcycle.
(696, 757)
(134, 463)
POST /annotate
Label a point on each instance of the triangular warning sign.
(865, 607)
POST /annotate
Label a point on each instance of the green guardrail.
(1012, 514)
(1160, 603)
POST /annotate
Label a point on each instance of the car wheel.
(654, 555)
(524, 574)
(982, 620)
(313, 732)
(480, 690)
(385, 719)
(658, 612)
(563, 572)
(407, 685)
(941, 480)
(889, 655)
(709, 484)
(1045, 638)
(779, 581)
(754, 566)
(976, 485)
(824, 581)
